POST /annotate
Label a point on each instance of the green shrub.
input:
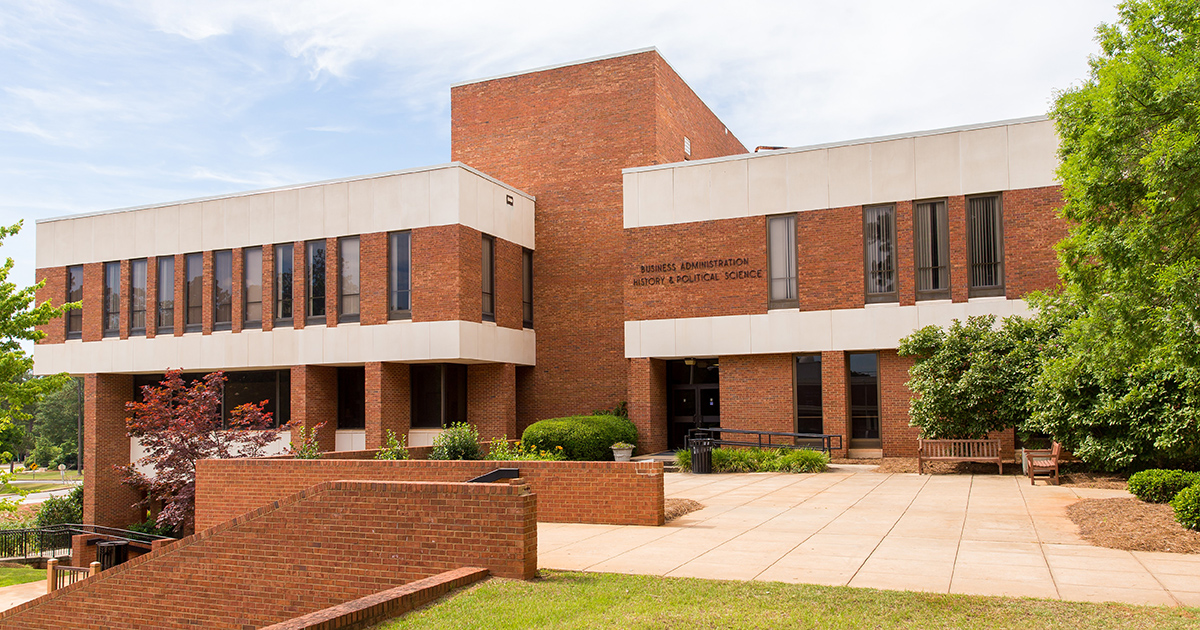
(741, 460)
(501, 450)
(393, 448)
(1187, 507)
(683, 458)
(64, 509)
(582, 438)
(46, 454)
(459, 441)
(151, 526)
(1160, 486)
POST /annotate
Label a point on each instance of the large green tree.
(1121, 386)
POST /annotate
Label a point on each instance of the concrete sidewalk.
(983, 535)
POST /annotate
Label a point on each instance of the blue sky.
(111, 104)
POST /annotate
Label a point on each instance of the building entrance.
(693, 398)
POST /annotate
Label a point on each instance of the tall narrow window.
(809, 409)
(439, 395)
(932, 250)
(193, 289)
(315, 257)
(781, 261)
(283, 285)
(864, 400)
(986, 242)
(879, 253)
(399, 275)
(489, 278)
(166, 295)
(527, 288)
(348, 282)
(137, 297)
(75, 294)
(112, 299)
(223, 290)
(252, 287)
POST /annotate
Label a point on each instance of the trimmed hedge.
(582, 438)
(735, 460)
(1160, 486)
(1187, 507)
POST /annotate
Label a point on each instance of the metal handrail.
(715, 434)
(55, 540)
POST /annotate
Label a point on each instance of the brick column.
(956, 216)
(333, 274)
(373, 278)
(123, 300)
(238, 297)
(107, 501)
(152, 297)
(55, 292)
(388, 402)
(180, 295)
(835, 398)
(206, 300)
(492, 399)
(898, 439)
(648, 403)
(268, 287)
(299, 285)
(906, 273)
(314, 400)
(93, 301)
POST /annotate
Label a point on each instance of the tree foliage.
(180, 424)
(973, 377)
(1121, 386)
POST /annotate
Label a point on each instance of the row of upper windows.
(399, 274)
(931, 252)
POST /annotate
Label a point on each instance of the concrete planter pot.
(622, 454)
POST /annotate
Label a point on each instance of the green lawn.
(10, 576)
(597, 600)
(48, 475)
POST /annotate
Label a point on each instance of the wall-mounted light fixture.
(689, 362)
(508, 199)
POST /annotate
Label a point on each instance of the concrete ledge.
(372, 609)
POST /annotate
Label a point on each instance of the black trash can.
(701, 456)
(110, 553)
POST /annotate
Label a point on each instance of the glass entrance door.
(864, 400)
(694, 398)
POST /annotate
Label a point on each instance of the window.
(166, 294)
(986, 245)
(270, 386)
(932, 245)
(351, 397)
(75, 294)
(489, 278)
(781, 261)
(809, 410)
(864, 400)
(137, 297)
(527, 288)
(399, 275)
(283, 285)
(439, 394)
(193, 290)
(252, 287)
(112, 299)
(348, 283)
(879, 253)
(315, 257)
(223, 290)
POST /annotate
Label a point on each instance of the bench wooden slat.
(986, 451)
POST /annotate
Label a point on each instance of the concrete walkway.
(983, 535)
(18, 594)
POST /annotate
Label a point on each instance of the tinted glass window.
(223, 289)
(399, 274)
(137, 296)
(809, 411)
(253, 285)
(315, 259)
(112, 298)
(283, 285)
(75, 294)
(166, 294)
(194, 291)
(348, 283)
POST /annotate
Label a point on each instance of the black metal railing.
(55, 540)
(768, 439)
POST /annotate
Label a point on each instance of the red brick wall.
(899, 439)
(294, 558)
(55, 292)
(388, 403)
(299, 284)
(314, 401)
(1031, 228)
(564, 135)
(956, 215)
(373, 278)
(492, 400)
(648, 403)
(829, 256)
(238, 297)
(443, 287)
(151, 297)
(614, 493)
(93, 301)
(107, 501)
(268, 305)
(652, 292)
(207, 310)
(508, 284)
(835, 397)
(180, 303)
(757, 392)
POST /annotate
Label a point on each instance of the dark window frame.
(867, 443)
(974, 290)
(793, 277)
(164, 310)
(110, 322)
(316, 300)
(796, 360)
(74, 318)
(445, 371)
(134, 309)
(526, 288)
(393, 289)
(488, 278)
(880, 297)
(218, 323)
(920, 241)
(247, 322)
(343, 316)
(190, 326)
(284, 291)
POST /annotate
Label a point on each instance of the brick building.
(672, 269)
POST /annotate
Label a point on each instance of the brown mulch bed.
(675, 508)
(1107, 481)
(1132, 525)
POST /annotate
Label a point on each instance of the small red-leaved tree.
(180, 424)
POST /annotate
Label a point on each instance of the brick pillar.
(124, 301)
(906, 274)
(648, 403)
(93, 301)
(835, 398)
(238, 298)
(268, 287)
(152, 297)
(492, 399)
(388, 405)
(373, 278)
(898, 439)
(54, 291)
(207, 309)
(314, 400)
(299, 285)
(956, 215)
(333, 274)
(180, 295)
(107, 501)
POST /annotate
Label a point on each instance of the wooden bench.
(1039, 463)
(985, 451)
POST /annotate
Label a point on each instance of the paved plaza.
(975, 534)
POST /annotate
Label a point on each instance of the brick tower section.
(564, 134)
(107, 501)
(387, 404)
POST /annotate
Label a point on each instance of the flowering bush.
(501, 450)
